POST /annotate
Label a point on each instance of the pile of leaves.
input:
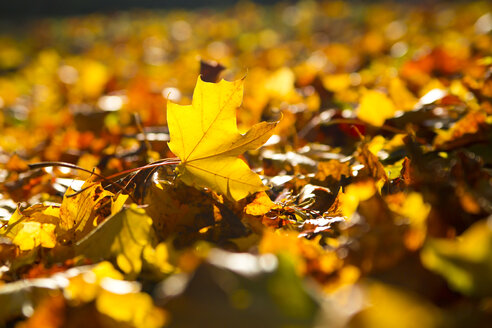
(340, 175)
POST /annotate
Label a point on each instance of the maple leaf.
(205, 137)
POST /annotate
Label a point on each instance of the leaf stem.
(165, 161)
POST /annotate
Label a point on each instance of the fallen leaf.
(33, 227)
(354, 194)
(178, 209)
(262, 204)
(375, 107)
(388, 305)
(464, 262)
(34, 234)
(205, 137)
(121, 237)
(77, 213)
(372, 165)
(334, 169)
(472, 125)
(134, 308)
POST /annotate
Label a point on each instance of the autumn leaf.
(104, 285)
(354, 194)
(33, 227)
(78, 211)
(260, 205)
(389, 304)
(375, 107)
(472, 125)
(121, 237)
(380, 200)
(464, 262)
(372, 165)
(205, 137)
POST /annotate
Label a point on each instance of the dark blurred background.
(26, 8)
(39, 8)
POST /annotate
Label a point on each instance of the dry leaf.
(205, 137)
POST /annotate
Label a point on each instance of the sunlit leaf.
(204, 136)
(136, 309)
(119, 299)
(465, 262)
(388, 305)
(121, 237)
(35, 227)
(260, 205)
(372, 165)
(77, 213)
(33, 234)
(470, 124)
(333, 168)
(375, 107)
(354, 194)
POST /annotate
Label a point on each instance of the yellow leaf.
(354, 194)
(93, 78)
(136, 309)
(84, 287)
(387, 305)
(375, 107)
(414, 211)
(33, 234)
(471, 123)
(465, 262)
(117, 204)
(372, 165)
(114, 297)
(280, 83)
(336, 82)
(157, 258)
(261, 205)
(79, 210)
(205, 137)
(34, 227)
(401, 96)
(123, 237)
(333, 168)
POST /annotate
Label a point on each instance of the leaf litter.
(321, 164)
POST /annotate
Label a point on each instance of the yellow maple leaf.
(205, 137)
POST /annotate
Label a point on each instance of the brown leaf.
(210, 70)
(372, 165)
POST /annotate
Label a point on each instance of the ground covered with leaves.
(340, 175)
